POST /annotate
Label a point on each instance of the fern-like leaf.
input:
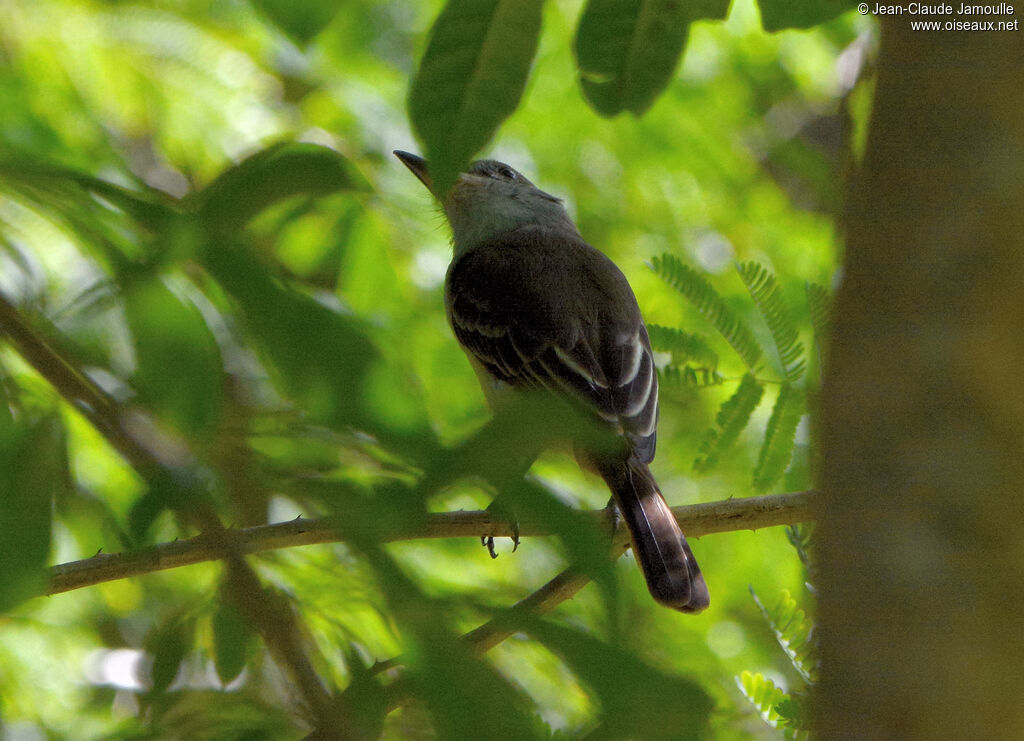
(800, 537)
(766, 294)
(779, 436)
(795, 633)
(676, 377)
(706, 300)
(794, 714)
(732, 419)
(763, 694)
(683, 346)
(819, 305)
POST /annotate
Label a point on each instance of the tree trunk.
(922, 418)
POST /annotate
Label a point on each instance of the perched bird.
(535, 306)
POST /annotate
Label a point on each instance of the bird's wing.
(559, 315)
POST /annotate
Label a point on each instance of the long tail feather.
(669, 567)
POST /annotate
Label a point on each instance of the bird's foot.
(499, 510)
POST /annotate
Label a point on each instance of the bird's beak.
(417, 165)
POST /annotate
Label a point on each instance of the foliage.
(736, 412)
(470, 78)
(732, 418)
(794, 631)
(706, 300)
(476, 65)
(627, 52)
(765, 292)
(235, 295)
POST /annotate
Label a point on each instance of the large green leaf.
(271, 175)
(33, 464)
(471, 78)
(466, 697)
(55, 186)
(168, 643)
(178, 364)
(628, 50)
(301, 21)
(234, 640)
(779, 14)
(321, 355)
(636, 700)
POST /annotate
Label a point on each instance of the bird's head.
(490, 198)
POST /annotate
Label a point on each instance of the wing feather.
(540, 310)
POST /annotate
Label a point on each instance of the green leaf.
(794, 631)
(367, 703)
(627, 50)
(732, 420)
(321, 355)
(177, 488)
(466, 697)
(795, 715)
(33, 466)
(637, 700)
(683, 346)
(167, 644)
(49, 183)
(801, 536)
(777, 15)
(281, 171)
(233, 641)
(709, 10)
(706, 300)
(779, 435)
(471, 78)
(178, 364)
(762, 694)
(819, 305)
(766, 294)
(301, 21)
(673, 377)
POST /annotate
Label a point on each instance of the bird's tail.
(668, 565)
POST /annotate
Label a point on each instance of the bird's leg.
(613, 517)
(505, 505)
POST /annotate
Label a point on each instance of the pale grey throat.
(482, 206)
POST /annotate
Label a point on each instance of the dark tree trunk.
(922, 419)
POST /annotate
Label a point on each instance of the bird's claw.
(488, 540)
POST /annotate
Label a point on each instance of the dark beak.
(417, 165)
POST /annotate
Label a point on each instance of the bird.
(534, 306)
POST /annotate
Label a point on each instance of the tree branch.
(155, 454)
(696, 519)
(144, 447)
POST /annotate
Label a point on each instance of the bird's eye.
(507, 172)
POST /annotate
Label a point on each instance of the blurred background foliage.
(276, 311)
